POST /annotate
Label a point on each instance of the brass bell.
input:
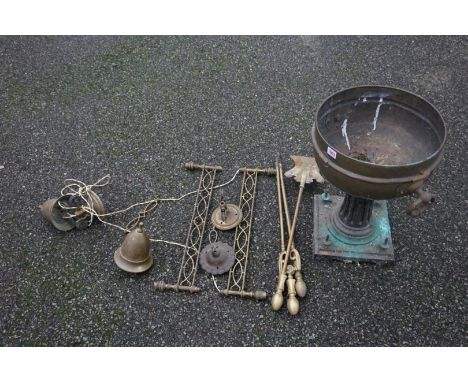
(134, 254)
(79, 218)
(53, 213)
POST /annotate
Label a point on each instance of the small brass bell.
(72, 215)
(53, 213)
(134, 253)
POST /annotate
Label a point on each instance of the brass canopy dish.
(217, 258)
(226, 216)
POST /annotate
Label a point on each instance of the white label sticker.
(331, 152)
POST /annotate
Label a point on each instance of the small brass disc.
(233, 216)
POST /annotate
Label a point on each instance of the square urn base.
(329, 242)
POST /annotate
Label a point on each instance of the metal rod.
(196, 166)
(285, 200)
(280, 205)
(286, 211)
(267, 171)
(161, 285)
(256, 294)
(294, 222)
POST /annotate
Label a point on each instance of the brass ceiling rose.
(217, 258)
(226, 216)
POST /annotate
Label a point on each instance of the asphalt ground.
(138, 108)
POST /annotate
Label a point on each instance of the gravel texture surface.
(138, 108)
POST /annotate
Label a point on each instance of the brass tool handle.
(195, 166)
(293, 302)
(277, 299)
(417, 207)
(301, 287)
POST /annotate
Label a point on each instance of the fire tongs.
(305, 171)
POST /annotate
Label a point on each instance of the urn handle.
(421, 203)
